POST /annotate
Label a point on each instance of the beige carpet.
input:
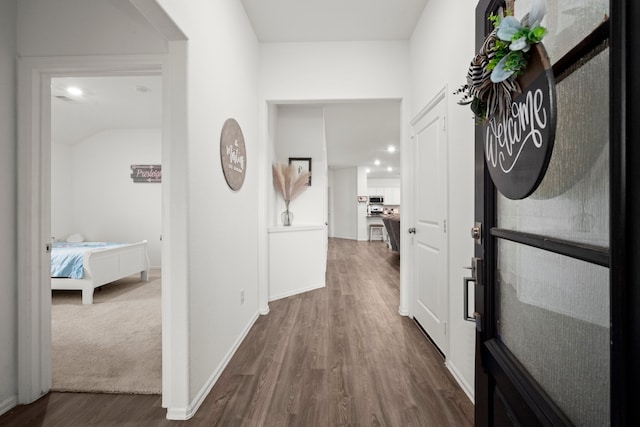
(111, 346)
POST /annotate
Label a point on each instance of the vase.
(287, 216)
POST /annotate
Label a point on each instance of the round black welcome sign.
(518, 145)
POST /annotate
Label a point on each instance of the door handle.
(476, 276)
(475, 317)
(412, 230)
(466, 315)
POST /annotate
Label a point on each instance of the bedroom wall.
(452, 59)
(106, 205)
(222, 72)
(62, 221)
(8, 220)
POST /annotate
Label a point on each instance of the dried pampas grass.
(288, 183)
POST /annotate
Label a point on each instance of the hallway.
(341, 355)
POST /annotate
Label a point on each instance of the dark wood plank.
(341, 355)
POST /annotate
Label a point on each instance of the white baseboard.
(8, 403)
(296, 292)
(466, 387)
(189, 411)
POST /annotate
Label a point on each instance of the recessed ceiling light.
(389, 169)
(368, 170)
(391, 149)
(75, 91)
(377, 163)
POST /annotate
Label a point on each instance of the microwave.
(376, 200)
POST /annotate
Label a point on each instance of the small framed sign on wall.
(146, 173)
(301, 164)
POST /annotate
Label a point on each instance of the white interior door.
(431, 306)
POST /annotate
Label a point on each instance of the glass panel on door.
(572, 202)
(553, 315)
(567, 22)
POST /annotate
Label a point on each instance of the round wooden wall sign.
(518, 146)
(233, 154)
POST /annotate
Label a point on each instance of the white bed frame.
(102, 266)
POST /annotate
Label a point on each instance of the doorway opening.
(355, 150)
(101, 127)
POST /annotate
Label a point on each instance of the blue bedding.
(66, 258)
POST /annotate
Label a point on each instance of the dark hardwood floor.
(336, 356)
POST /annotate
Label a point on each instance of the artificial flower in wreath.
(492, 77)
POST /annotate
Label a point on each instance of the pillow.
(75, 238)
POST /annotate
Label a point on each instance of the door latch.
(476, 233)
(47, 247)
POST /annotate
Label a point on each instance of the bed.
(86, 266)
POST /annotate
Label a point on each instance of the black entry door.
(556, 296)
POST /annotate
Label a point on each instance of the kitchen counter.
(392, 224)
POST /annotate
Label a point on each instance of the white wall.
(345, 208)
(62, 209)
(8, 220)
(382, 182)
(97, 196)
(300, 133)
(297, 261)
(435, 64)
(84, 27)
(361, 207)
(334, 71)
(222, 225)
(273, 199)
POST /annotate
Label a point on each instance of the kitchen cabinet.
(375, 191)
(391, 194)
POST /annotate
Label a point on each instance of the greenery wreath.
(492, 77)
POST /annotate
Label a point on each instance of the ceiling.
(359, 133)
(122, 102)
(333, 20)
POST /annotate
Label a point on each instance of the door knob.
(412, 230)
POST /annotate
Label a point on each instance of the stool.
(376, 230)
